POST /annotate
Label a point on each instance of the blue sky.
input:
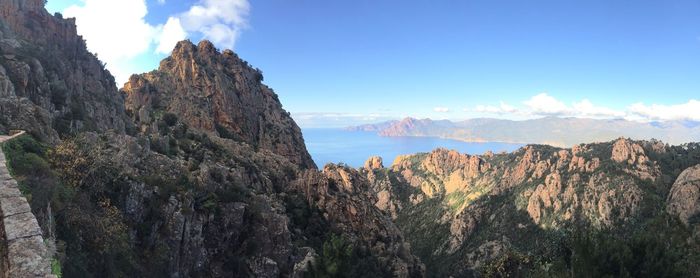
(335, 63)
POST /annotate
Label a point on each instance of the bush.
(170, 119)
(511, 264)
(26, 157)
(339, 258)
(334, 261)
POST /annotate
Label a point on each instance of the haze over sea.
(335, 145)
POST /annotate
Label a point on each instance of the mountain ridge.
(196, 170)
(461, 213)
(560, 132)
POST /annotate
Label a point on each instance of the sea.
(336, 145)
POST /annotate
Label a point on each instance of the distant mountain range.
(555, 131)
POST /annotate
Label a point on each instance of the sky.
(339, 63)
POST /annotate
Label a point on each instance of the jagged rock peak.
(626, 150)
(217, 93)
(187, 49)
(374, 162)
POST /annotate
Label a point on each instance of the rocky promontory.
(218, 93)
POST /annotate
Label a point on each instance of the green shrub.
(56, 268)
(334, 260)
(339, 258)
(26, 157)
(170, 119)
(511, 264)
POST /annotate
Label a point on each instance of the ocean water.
(328, 145)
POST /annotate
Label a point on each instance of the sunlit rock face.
(469, 209)
(684, 199)
(217, 93)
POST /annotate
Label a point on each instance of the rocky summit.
(217, 93)
(196, 170)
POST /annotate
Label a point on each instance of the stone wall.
(25, 254)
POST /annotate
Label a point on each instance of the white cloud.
(503, 108)
(685, 111)
(333, 119)
(544, 104)
(220, 21)
(585, 108)
(115, 30)
(441, 109)
(171, 34)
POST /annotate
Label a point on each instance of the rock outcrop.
(344, 198)
(50, 85)
(374, 163)
(217, 93)
(684, 199)
(509, 199)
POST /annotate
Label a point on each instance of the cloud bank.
(689, 111)
(543, 105)
(337, 120)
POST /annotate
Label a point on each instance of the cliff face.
(217, 93)
(684, 199)
(212, 178)
(215, 207)
(461, 211)
(50, 84)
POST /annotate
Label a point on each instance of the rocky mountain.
(51, 85)
(561, 132)
(192, 170)
(461, 213)
(373, 127)
(196, 170)
(217, 93)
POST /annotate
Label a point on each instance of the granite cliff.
(217, 93)
(192, 170)
(462, 213)
(51, 85)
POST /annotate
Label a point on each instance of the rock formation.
(50, 85)
(193, 170)
(217, 93)
(373, 163)
(449, 205)
(684, 199)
